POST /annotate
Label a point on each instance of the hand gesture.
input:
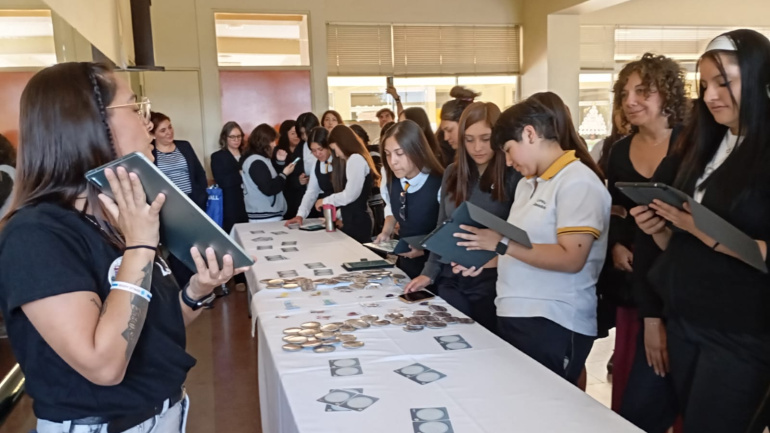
(647, 220)
(303, 179)
(209, 275)
(419, 283)
(289, 169)
(478, 239)
(413, 253)
(296, 220)
(680, 218)
(622, 258)
(466, 272)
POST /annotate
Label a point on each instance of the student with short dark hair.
(385, 115)
(546, 295)
(262, 185)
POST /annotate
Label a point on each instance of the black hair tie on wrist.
(136, 247)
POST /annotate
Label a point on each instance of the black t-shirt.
(47, 250)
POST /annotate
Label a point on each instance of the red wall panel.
(11, 86)
(254, 97)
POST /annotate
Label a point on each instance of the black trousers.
(412, 267)
(557, 348)
(473, 296)
(649, 401)
(721, 378)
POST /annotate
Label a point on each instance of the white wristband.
(136, 290)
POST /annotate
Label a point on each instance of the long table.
(489, 387)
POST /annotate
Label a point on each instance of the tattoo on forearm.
(139, 307)
(98, 305)
(146, 279)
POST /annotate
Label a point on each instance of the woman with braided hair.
(94, 316)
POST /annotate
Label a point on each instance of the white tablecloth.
(491, 387)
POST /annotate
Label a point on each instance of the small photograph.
(257, 232)
(316, 265)
(288, 243)
(275, 258)
(280, 233)
(264, 247)
(262, 239)
(287, 274)
(322, 272)
(289, 250)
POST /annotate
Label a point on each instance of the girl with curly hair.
(650, 99)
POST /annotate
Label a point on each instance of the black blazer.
(226, 171)
(197, 173)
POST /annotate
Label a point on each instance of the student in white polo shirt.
(546, 295)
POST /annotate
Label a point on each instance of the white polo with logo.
(568, 198)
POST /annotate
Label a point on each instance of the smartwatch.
(196, 304)
(502, 247)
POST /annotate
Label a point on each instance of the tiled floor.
(599, 383)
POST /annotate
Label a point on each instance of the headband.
(722, 43)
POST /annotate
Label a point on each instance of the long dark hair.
(283, 135)
(453, 109)
(750, 159)
(226, 130)
(306, 121)
(260, 142)
(320, 136)
(420, 117)
(157, 118)
(551, 121)
(333, 113)
(465, 169)
(617, 132)
(361, 133)
(64, 133)
(410, 138)
(349, 143)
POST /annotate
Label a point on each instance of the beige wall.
(684, 12)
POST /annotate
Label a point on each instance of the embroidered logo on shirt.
(540, 203)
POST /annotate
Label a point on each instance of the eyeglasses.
(142, 107)
(402, 197)
(235, 137)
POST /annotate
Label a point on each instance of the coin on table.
(325, 348)
(421, 313)
(346, 337)
(330, 327)
(353, 344)
(449, 319)
(275, 281)
(308, 332)
(437, 308)
(333, 281)
(413, 328)
(292, 331)
(398, 321)
(442, 314)
(391, 316)
(292, 347)
(290, 286)
(465, 320)
(436, 325)
(296, 339)
(347, 328)
(274, 286)
(430, 318)
(325, 335)
(398, 276)
(357, 286)
(265, 281)
(417, 321)
(308, 325)
(381, 322)
(359, 324)
(311, 344)
(321, 280)
(369, 317)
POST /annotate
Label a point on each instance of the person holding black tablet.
(320, 185)
(546, 295)
(651, 100)
(481, 177)
(718, 329)
(100, 331)
(353, 186)
(413, 179)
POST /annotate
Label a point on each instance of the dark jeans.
(557, 348)
(412, 267)
(473, 296)
(649, 401)
(720, 377)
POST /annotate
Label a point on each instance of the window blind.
(359, 49)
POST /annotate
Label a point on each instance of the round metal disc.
(311, 344)
(310, 325)
(290, 286)
(275, 282)
(417, 321)
(265, 281)
(421, 313)
(347, 328)
(381, 322)
(413, 328)
(353, 344)
(369, 318)
(346, 337)
(357, 286)
(273, 286)
(436, 325)
(360, 324)
(440, 308)
(449, 319)
(295, 339)
(325, 348)
(292, 331)
(465, 320)
(292, 347)
(330, 327)
(325, 335)
(442, 314)
(391, 316)
(308, 332)
(398, 321)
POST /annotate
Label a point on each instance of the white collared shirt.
(729, 143)
(415, 184)
(313, 189)
(569, 198)
(308, 159)
(356, 169)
